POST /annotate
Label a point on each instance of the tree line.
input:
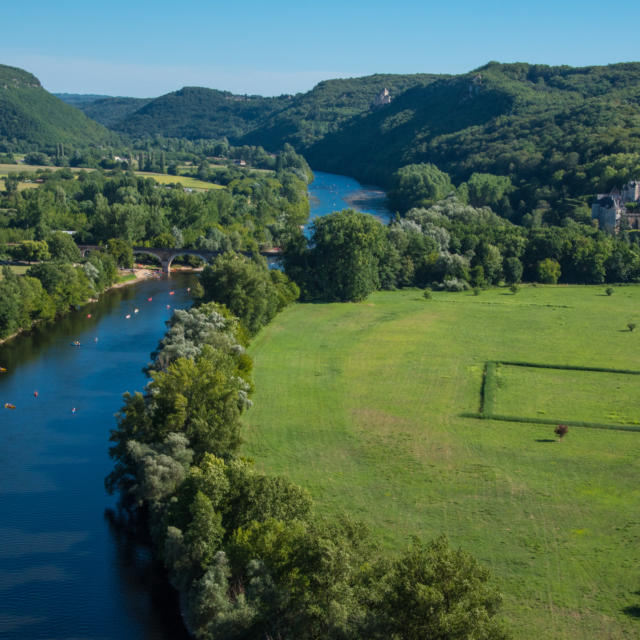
(451, 245)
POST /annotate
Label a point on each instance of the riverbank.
(139, 276)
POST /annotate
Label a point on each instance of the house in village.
(621, 206)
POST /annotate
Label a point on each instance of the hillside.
(31, 115)
(524, 121)
(195, 112)
(106, 110)
(310, 116)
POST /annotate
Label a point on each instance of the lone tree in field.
(561, 430)
(631, 326)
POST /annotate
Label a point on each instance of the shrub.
(609, 290)
(427, 294)
(561, 430)
(514, 288)
(631, 326)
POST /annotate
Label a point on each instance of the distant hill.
(195, 112)
(111, 111)
(29, 114)
(308, 117)
(79, 100)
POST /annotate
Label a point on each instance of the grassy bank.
(363, 404)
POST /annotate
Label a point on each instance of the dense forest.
(32, 117)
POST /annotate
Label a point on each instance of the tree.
(418, 185)
(548, 271)
(512, 268)
(561, 430)
(121, 251)
(347, 248)
(486, 189)
(434, 591)
(62, 247)
(31, 251)
(247, 289)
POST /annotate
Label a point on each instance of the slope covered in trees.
(31, 115)
(106, 110)
(555, 132)
(310, 116)
(196, 112)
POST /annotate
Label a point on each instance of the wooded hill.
(555, 132)
(551, 136)
(29, 114)
(523, 121)
(106, 110)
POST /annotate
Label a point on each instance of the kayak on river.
(8, 405)
(3, 370)
(75, 343)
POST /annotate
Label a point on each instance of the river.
(67, 570)
(330, 192)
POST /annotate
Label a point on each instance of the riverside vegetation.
(118, 210)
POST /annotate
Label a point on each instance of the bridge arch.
(187, 252)
(141, 251)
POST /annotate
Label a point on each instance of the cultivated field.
(364, 405)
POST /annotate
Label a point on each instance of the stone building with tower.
(620, 207)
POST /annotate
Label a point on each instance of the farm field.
(363, 405)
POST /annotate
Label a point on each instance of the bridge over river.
(167, 255)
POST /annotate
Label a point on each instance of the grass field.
(565, 394)
(362, 404)
(185, 181)
(17, 268)
(161, 178)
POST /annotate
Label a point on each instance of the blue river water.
(330, 192)
(67, 569)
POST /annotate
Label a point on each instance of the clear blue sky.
(143, 49)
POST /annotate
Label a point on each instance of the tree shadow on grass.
(633, 611)
(546, 440)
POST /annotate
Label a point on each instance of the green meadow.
(161, 178)
(364, 404)
(185, 181)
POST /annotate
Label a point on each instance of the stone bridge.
(167, 255)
